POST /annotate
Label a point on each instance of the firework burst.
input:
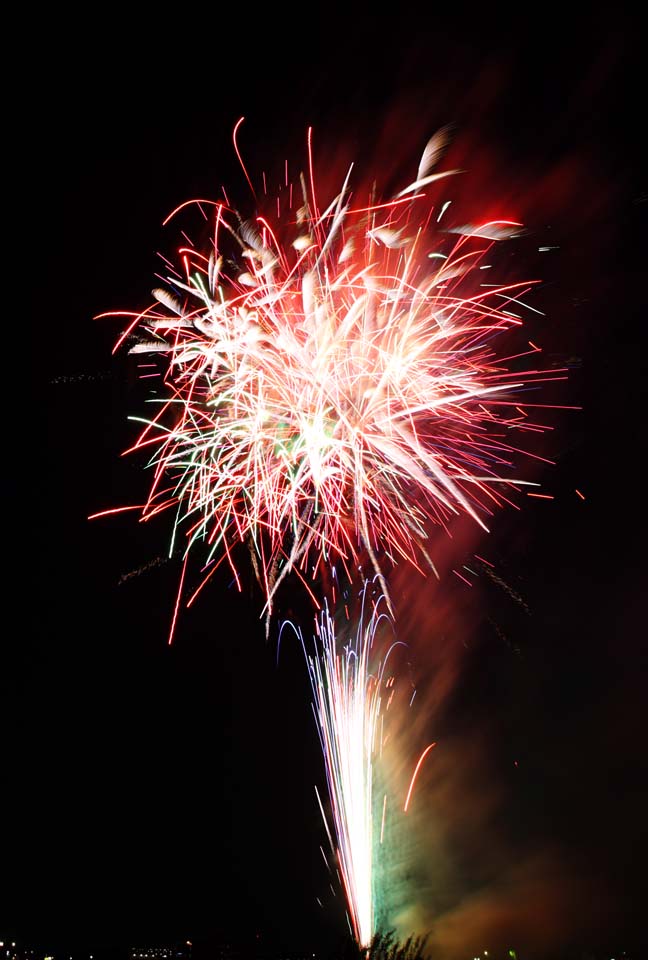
(334, 388)
(333, 382)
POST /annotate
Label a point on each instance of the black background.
(153, 792)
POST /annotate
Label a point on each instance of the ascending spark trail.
(347, 681)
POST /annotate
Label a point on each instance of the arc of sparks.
(415, 774)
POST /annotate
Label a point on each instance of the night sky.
(152, 793)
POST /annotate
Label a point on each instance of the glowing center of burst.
(306, 447)
(317, 443)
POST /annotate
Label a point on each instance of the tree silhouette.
(385, 946)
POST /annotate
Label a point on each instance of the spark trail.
(347, 674)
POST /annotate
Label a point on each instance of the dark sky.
(151, 792)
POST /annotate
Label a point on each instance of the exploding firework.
(335, 388)
(333, 381)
